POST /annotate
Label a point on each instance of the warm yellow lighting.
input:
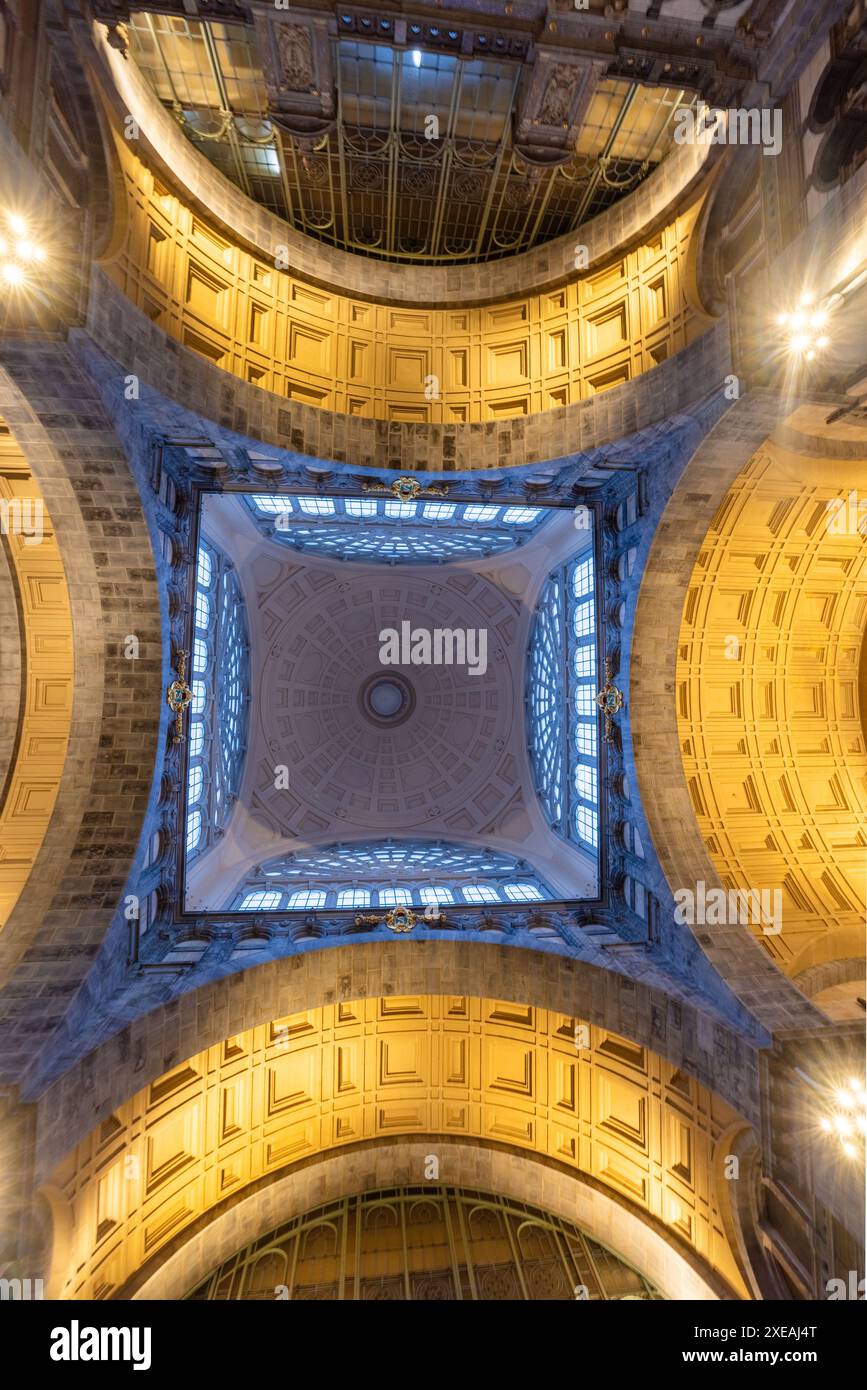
(823, 341)
(782, 319)
(799, 342)
(844, 1098)
(826, 1125)
(38, 253)
(855, 1086)
(819, 319)
(849, 1150)
(18, 225)
(810, 355)
(13, 274)
(842, 1125)
(26, 251)
(798, 319)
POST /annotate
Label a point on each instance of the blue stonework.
(630, 929)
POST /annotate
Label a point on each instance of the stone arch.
(740, 1197)
(494, 1168)
(96, 514)
(822, 974)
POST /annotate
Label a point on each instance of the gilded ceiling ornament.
(400, 919)
(397, 919)
(610, 701)
(407, 489)
(179, 697)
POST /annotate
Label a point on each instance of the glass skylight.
(355, 528)
(388, 874)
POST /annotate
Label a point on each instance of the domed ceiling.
(386, 704)
(445, 760)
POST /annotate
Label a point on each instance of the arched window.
(260, 901)
(363, 528)
(354, 897)
(220, 685)
(562, 714)
(387, 874)
(194, 830)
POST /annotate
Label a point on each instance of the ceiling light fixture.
(845, 1117)
(801, 324)
(18, 255)
(416, 57)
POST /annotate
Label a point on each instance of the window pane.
(264, 900)
(436, 895)
(583, 578)
(395, 897)
(523, 893)
(194, 786)
(274, 505)
(585, 739)
(353, 897)
(481, 893)
(316, 506)
(194, 830)
(585, 661)
(584, 618)
(585, 821)
(315, 898)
